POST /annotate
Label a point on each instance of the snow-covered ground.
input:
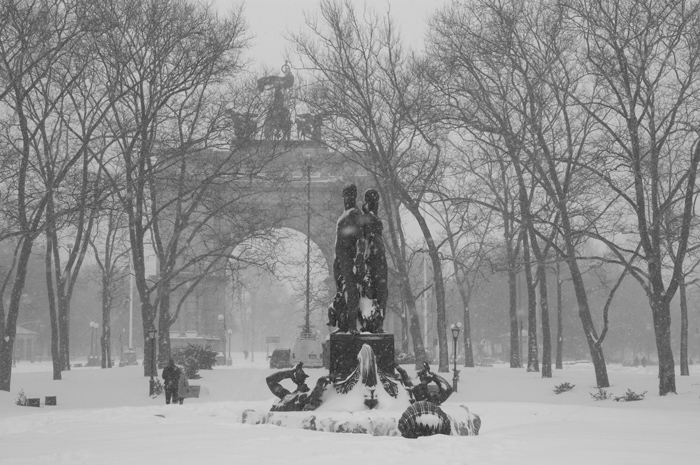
(107, 417)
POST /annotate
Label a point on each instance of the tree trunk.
(149, 345)
(662, 328)
(465, 296)
(513, 313)
(685, 369)
(560, 323)
(544, 306)
(106, 337)
(396, 241)
(584, 312)
(9, 327)
(439, 284)
(532, 355)
(544, 315)
(164, 323)
(404, 328)
(63, 328)
(53, 316)
(468, 352)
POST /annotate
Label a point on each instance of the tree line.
(537, 133)
(116, 139)
(525, 136)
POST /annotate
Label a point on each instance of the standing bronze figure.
(375, 278)
(348, 233)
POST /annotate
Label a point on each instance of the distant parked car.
(281, 358)
(128, 358)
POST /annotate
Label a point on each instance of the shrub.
(602, 394)
(630, 396)
(563, 387)
(194, 357)
(404, 359)
(21, 398)
(191, 368)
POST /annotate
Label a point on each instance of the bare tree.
(497, 59)
(109, 245)
(378, 115)
(643, 58)
(160, 53)
(468, 227)
(38, 38)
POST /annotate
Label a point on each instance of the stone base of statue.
(372, 422)
(369, 399)
(344, 347)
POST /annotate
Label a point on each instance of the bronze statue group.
(425, 397)
(359, 268)
(360, 272)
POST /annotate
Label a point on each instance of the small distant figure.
(171, 378)
(183, 386)
(644, 361)
(635, 362)
(245, 354)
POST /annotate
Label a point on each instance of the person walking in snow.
(171, 377)
(183, 386)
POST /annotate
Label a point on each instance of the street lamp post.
(307, 325)
(92, 340)
(152, 384)
(91, 359)
(229, 361)
(455, 328)
(222, 338)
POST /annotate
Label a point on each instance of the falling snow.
(106, 417)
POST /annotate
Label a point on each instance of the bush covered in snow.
(563, 387)
(194, 357)
(630, 396)
(602, 394)
(21, 398)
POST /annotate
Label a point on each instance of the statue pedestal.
(344, 348)
(374, 422)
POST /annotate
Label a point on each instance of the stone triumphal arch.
(295, 182)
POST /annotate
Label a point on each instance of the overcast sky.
(268, 20)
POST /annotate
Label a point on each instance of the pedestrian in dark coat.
(171, 376)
